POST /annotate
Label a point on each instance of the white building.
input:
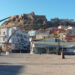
(19, 40)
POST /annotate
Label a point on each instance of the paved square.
(45, 64)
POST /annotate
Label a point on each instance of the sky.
(50, 8)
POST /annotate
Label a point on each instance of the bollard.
(62, 55)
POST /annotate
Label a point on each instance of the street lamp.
(7, 52)
(32, 45)
(58, 46)
(62, 51)
(58, 43)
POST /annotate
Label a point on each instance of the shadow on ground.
(10, 69)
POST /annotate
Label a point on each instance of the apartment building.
(18, 42)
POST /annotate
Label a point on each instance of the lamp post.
(31, 46)
(62, 51)
(58, 46)
(7, 52)
(58, 43)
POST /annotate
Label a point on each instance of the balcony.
(2, 35)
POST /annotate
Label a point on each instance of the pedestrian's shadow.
(10, 69)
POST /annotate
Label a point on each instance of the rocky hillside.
(31, 20)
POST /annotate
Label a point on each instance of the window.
(3, 46)
(3, 33)
(3, 38)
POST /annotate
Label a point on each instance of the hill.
(31, 20)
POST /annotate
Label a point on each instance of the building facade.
(18, 42)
